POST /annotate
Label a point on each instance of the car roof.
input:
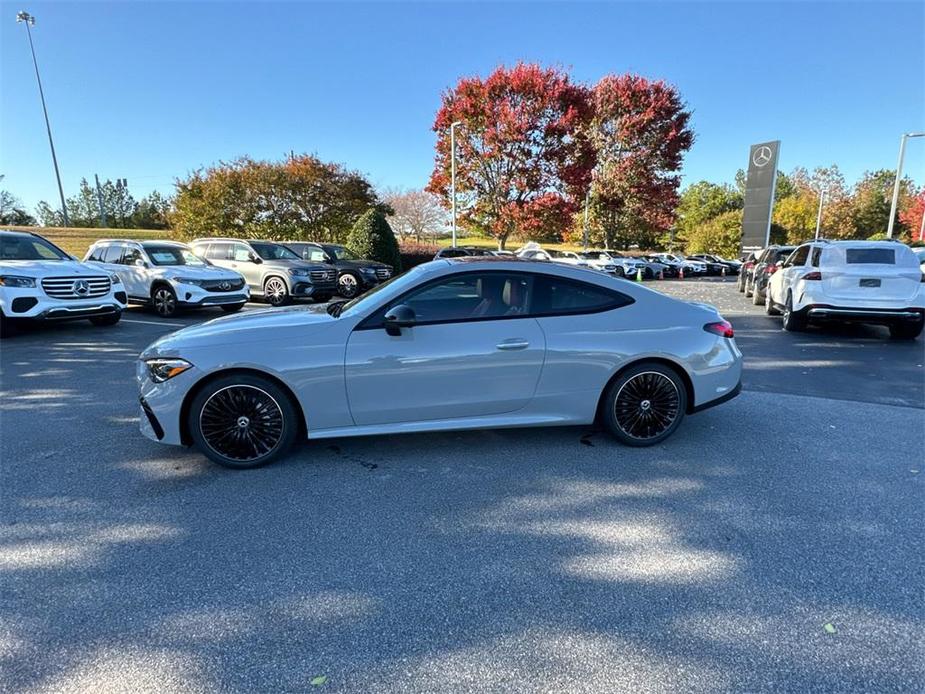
(15, 232)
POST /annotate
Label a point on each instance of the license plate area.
(869, 283)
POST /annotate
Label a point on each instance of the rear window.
(870, 256)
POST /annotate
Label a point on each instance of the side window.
(817, 253)
(559, 296)
(219, 251)
(471, 296)
(112, 254)
(316, 255)
(798, 257)
(96, 254)
(131, 255)
(241, 253)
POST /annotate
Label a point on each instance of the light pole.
(453, 173)
(899, 174)
(29, 21)
(819, 214)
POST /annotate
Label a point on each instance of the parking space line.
(152, 322)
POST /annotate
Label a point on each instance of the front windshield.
(341, 253)
(22, 247)
(367, 300)
(173, 255)
(273, 251)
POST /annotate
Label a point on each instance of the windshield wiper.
(335, 307)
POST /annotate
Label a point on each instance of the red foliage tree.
(523, 160)
(640, 132)
(911, 216)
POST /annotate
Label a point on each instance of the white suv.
(858, 281)
(169, 276)
(39, 281)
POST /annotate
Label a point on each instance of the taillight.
(770, 269)
(722, 328)
(812, 276)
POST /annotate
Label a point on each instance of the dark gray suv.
(271, 270)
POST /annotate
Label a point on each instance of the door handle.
(513, 344)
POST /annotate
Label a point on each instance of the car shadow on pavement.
(510, 560)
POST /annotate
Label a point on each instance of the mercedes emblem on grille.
(81, 287)
(225, 286)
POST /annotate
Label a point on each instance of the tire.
(275, 292)
(740, 284)
(111, 319)
(906, 331)
(232, 308)
(769, 307)
(748, 290)
(348, 285)
(792, 322)
(164, 300)
(757, 299)
(647, 274)
(633, 402)
(620, 272)
(242, 421)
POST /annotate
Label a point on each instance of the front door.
(471, 353)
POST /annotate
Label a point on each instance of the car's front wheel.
(7, 326)
(242, 421)
(645, 404)
(348, 286)
(110, 319)
(164, 301)
(276, 292)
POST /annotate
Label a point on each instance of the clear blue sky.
(151, 91)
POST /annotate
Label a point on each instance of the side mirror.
(399, 317)
(139, 262)
(254, 258)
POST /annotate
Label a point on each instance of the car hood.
(286, 264)
(253, 326)
(357, 264)
(46, 268)
(210, 272)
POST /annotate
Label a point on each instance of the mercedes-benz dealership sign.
(759, 195)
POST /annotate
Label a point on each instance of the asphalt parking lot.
(775, 543)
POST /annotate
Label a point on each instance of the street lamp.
(819, 214)
(29, 21)
(899, 174)
(453, 173)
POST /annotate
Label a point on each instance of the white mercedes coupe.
(462, 343)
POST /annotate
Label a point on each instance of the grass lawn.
(76, 240)
(482, 242)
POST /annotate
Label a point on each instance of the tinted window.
(219, 251)
(112, 254)
(313, 253)
(173, 255)
(96, 254)
(799, 256)
(131, 255)
(471, 296)
(881, 256)
(817, 252)
(269, 251)
(242, 254)
(556, 296)
(15, 247)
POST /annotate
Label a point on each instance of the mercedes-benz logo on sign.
(762, 156)
(81, 287)
(225, 286)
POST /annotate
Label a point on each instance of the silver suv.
(168, 276)
(271, 270)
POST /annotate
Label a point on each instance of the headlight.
(368, 270)
(161, 370)
(299, 272)
(16, 281)
(188, 280)
(115, 278)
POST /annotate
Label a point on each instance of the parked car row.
(877, 282)
(39, 281)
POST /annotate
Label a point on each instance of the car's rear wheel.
(232, 308)
(792, 321)
(906, 331)
(276, 292)
(348, 286)
(748, 289)
(164, 301)
(645, 404)
(243, 421)
(110, 319)
(757, 298)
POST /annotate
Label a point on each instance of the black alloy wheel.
(243, 421)
(645, 405)
(164, 301)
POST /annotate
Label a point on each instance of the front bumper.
(32, 303)
(314, 289)
(160, 404)
(192, 295)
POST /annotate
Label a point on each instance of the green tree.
(152, 212)
(871, 202)
(12, 212)
(372, 237)
(796, 215)
(721, 235)
(701, 202)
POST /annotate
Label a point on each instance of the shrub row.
(417, 253)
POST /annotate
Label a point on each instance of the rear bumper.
(863, 315)
(718, 401)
